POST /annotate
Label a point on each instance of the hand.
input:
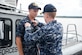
(35, 22)
(27, 24)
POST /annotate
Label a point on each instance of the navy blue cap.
(49, 8)
(33, 6)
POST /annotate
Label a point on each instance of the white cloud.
(64, 7)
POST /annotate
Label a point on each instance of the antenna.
(20, 8)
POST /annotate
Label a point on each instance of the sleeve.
(35, 35)
(40, 24)
(20, 29)
(59, 40)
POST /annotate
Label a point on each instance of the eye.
(35, 10)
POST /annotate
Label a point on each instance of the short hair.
(52, 14)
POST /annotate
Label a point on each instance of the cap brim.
(49, 11)
(37, 8)
(42, 12)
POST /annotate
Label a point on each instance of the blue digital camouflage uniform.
(20, 31)
(49, 38)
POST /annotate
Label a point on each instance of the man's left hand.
(35, 23)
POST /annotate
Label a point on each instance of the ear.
(29, 10)
(48, 16)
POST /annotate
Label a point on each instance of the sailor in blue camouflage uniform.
(20, 31)
(49, 36)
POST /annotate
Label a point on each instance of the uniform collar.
(27, 19)
(52, 22)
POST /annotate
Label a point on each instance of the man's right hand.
(19, 45)
(27, 24)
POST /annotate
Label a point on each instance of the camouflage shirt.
(20, 32)
(49, 38)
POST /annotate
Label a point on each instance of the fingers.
(35, 22)
(27, 24)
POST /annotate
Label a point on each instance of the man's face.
(33, 12)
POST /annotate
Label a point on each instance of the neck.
(30, 17)
(49, 20)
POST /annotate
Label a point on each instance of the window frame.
(16, 26)
(11, 42)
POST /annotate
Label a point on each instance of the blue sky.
(64, 7)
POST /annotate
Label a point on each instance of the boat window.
(5, 32)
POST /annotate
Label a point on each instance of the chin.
(34, 17)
